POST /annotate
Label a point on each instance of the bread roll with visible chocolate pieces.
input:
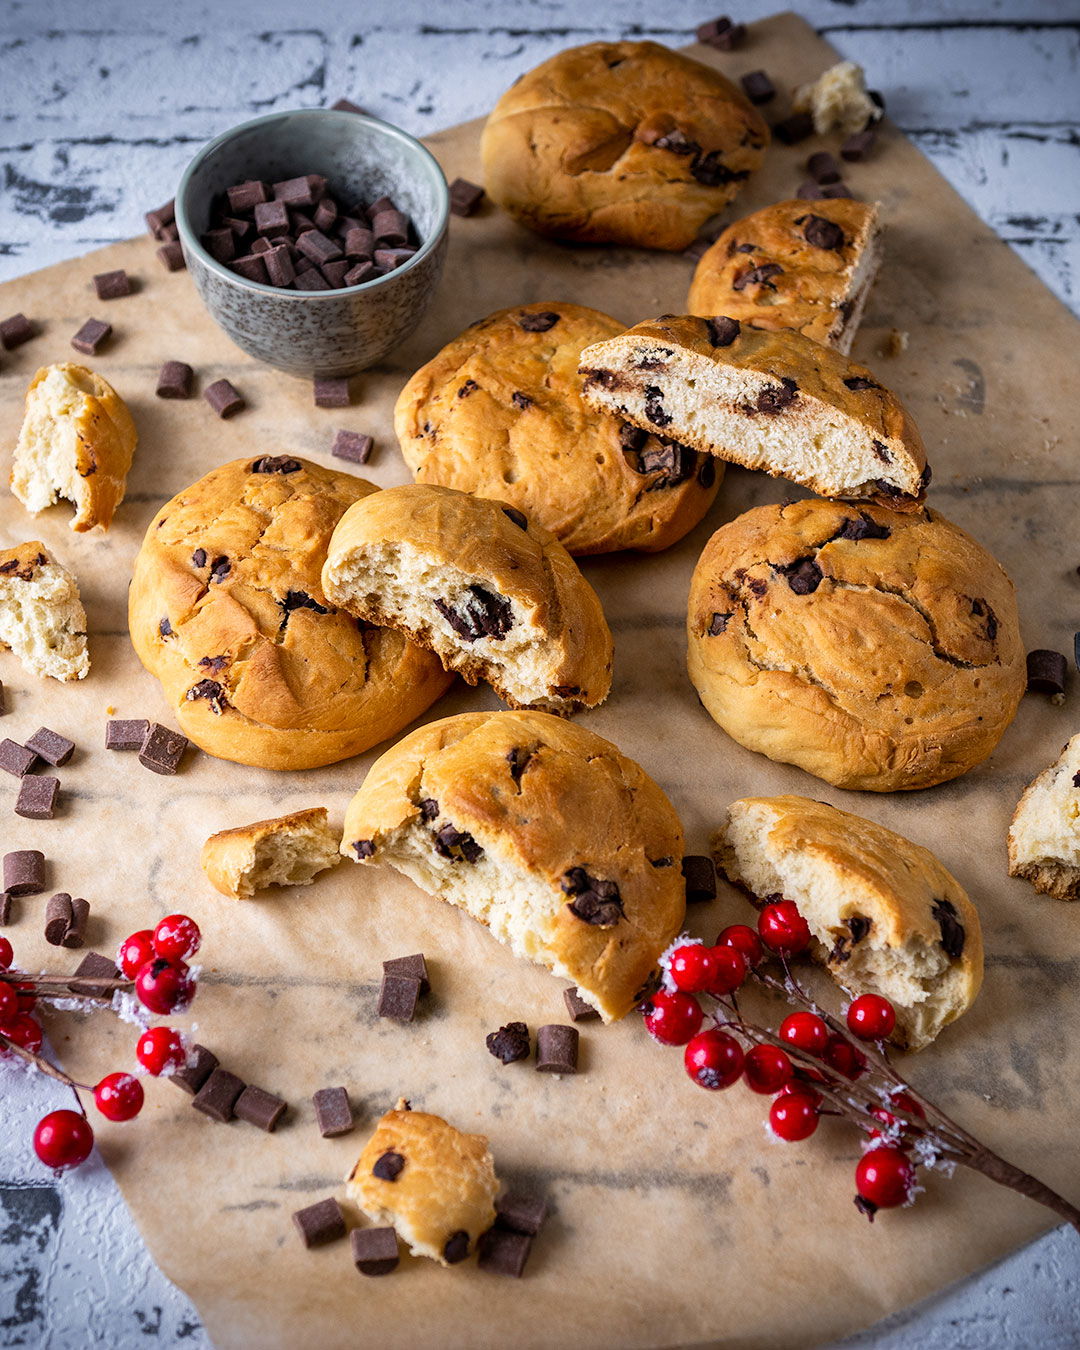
(801, 265)
(42, 619)
(879, 650)
(494, 597)
(886, 917)
(620, 143)
(286, 851)
(564, 848)
(433, 1183)
(498, 413)
(774, 401)
(1044, 837)
(77, 442)
(227, 610)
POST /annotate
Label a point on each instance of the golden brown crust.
(876, 663)
(738, 274)
(227, 610)
(620, 143)
(546, 452)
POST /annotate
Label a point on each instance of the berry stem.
(41, 1062)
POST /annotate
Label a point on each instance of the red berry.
(896, 1124)
(767, 1069)
(160, 1048)
(24, 1031)
(134, 952)
(164, 986)
(806, 1031)
(743, 939)
(793, 1115)
(672, 1019)
(844, 1057)
(9, 1002)
(6, 954)
(729, 970)
(119, 1096)
(884, 1177)
(871, 1017)
(691, 968)
(27, 997)
(177, 937)
(783, 929)
(714, 1059)
(63, 1139)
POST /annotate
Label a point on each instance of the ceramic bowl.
(318, 333)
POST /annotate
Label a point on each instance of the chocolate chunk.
(16, 759)
(162, 750)
(457, 845)
(579, 1010)
(374, 1250)
(456, 1247)
(758, 87)
(319, 247)
(218, 1096)
(1076, 650)
(811, 190)
(722, 331)
(981, 610)
(213, 694)
(171, 256)
(279, 266)
(632, 438)
(24, 872)
(112, 285)
(858, 382)
(803, 575)
(321, 1223)
(223, 398)
(276, 464)
(774, 398)
(59, 918)
(822, 168)
(362, 273)
(861, 527)
(858, 926)
(510, 1043)
(429, 808)
(353, 446)
(794, 129)
(500, 1252)
(707, 472)
(410, 967)
(344, 105)
(519, 758)
(241, 228)
(822, 233)
(53, 748)
(198, 558)
(191, 1076)
(596, 901)
(556, 1049)
(244, 197)
(14, 331)
(220, 244)
(718, 623)
(251, 267)
(397, 997)
(711, 171)
(326, 214)
(538, 322)
(757, 276)
(334, 273)
(465, 197)
(700, 875)
(858, 147)
(677, 143)
(518, 517)
(90, 336)
(37, 798)
(482, 614)
(675, 461)
(360, 243)
(1046, 672)
(520, 400)
(390, 228)
(363, 848)
(721, 33)
(219, 570)
(94, 967)
(388, 1166)
(332, 393)
(296, 191)
(522, 1213)
(174, 380)
(654, 407)
(333, 1113)
(389, 258)
(157, 220)
(80, 914)
(259, 1108)
(952, 930)
(5, 908)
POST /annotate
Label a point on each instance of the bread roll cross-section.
(773, 401)
(1044, 837)
(41, 616)
(286, 851)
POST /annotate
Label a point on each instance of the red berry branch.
(155, 971)
(814, 1065)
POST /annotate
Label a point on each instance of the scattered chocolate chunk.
(14, 331)
(53, 748)
(718, 623)
(757, 276)
(700, 875)
(374, 1250)
(822, 233)
(798, 127)
(162, 750)
(24, 872)
(521, 1213)
(3, 703)
(579, 1010)
(758, 87)
(501, 1252)
(811, 190)
(952, 930)
(388, 1166)
(16, 759)
(353, 446)
(457, 845)
(410, 967)
(456, 1247)
(465, 197)
(331, 393)
(1046, 672)
(721, 33)
(157, 220)
(5, 908)
(482, 614)
(174, 380)
(722, 331)
(397, 997)
(538, 322)
(92, 969)
(518, 517)
(65, 920)
(276, 464)
(191, 1076)
(862, 527)
(259, 1108)
(510, 1043)
(333, 1113)
(244, 197)
(171, 256)
(37, 797)
(112, 285)
(822, 168)
(556, 1049)
(218, 1096)
(858, 147)
(321, 1223)
(223, 398)
(774, 398)
(91, 336)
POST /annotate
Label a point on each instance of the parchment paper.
(677, 1220)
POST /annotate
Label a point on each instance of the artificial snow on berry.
(177, 937)
(119, 1096)
(161, 1048)
(63, 1139)
(783, 929)
(713, 1059)
(884, 1178)
(672, 1019)
(164, 986)
(871, 1017)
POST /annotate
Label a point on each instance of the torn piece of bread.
(433, 1183)
(492, 594)
(77, 442)
(804, 265)
(774, 401)
(887, 918)
(1044, 837)
(559, 844)
(287, 851)
(41, 616)
(837, 100)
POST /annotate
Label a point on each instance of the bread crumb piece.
(895, 343)
(837, 100)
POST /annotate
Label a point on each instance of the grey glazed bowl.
(318, 333)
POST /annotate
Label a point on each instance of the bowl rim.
(190, 240)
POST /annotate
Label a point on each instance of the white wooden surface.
(101, 105)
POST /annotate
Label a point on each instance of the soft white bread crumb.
(837, 100)
(1044, 837)
(41, 616)
(287, 851)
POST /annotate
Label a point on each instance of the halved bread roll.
(286, 851)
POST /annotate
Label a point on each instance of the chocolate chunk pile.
(296, 236)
